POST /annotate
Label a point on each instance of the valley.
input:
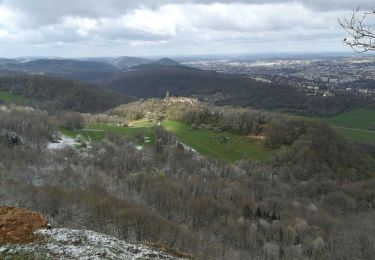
(162, 153)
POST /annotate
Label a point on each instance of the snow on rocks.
(62, 243)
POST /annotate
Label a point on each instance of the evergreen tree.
(247, 212)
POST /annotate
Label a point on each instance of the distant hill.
(153, 80)
(168, 62)
(6, 60)
(74, 69)
(63, 94)
(128, 62)
(149, 79)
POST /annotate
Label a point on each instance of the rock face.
(24, 235)
(17, 224)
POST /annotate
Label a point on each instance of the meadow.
(141, 135)
(360, 118)
(223, 145)
(357, 124)
(6, 96)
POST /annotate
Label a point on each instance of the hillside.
(153, 80)
(6, 60)
(126, 62)
(165, 194)
(74, 69)
(168, 62)
(62, 94)
(64, 243)
(24, 235)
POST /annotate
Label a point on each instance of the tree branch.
(361, 36)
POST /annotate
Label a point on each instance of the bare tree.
(361, 33)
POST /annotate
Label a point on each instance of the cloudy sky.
(164, 27)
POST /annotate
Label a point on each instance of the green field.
(98, 132)
(357, 118)
(357, 124)
(224, 146)
(6, 96)
(359, 135)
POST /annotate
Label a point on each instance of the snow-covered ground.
(61, 243)
(63, 142)
(187, 147)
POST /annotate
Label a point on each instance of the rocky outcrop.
(25, 235)
(62, 243)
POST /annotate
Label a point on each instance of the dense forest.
(313, 198)
(55, 94)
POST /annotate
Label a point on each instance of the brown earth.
(258, 137)
(17, 224)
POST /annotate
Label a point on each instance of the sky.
(99, 28)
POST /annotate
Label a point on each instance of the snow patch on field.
(62, 143)
(187, 147)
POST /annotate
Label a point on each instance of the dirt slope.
(17, 224)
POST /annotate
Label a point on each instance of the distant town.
(325, 76)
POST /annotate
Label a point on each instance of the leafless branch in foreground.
(361, 36)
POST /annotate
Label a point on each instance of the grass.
(6, 96)
(357, 135)
(224, 146)
(142, 123)
(98, 132)
(357, 124)
(357, 118)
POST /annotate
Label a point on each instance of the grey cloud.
(50, 9)
(191, 22)
(45, 12)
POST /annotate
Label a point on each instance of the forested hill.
(154, 80)
(63, 94)
(126, 62)
(74, 69)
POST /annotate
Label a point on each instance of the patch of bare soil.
(257, 137)
(17, 224)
